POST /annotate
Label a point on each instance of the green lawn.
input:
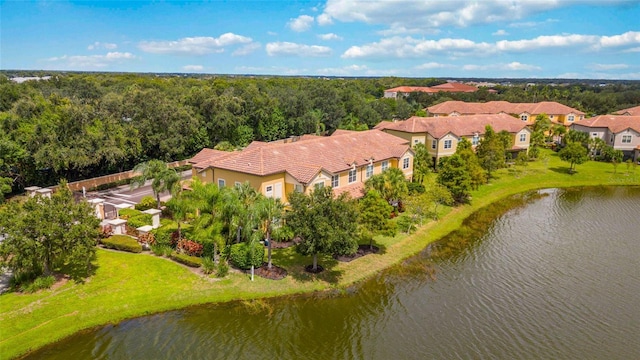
(128, 285)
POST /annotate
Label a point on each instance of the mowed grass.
(128, 285)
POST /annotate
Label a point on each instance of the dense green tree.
(162, 178)
(438, 195)
(422, 163)
(575, 154)
(453, 175)
(48, 234)
(613, 156)
(491, 151)
(390, 184)
(374, 213)
(476, 172)
(324, 223)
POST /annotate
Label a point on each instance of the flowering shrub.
(189, 247)
(130, 230)
(147, 238)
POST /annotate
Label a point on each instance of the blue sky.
(501, 38)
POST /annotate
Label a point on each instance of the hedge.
(122, 242)
(192, 261)
(243, 256)
(129, 213)
(140, 220)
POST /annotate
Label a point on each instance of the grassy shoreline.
(132, 285)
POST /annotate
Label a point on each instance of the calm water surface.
(556, 279)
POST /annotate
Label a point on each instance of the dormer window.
(524, 117)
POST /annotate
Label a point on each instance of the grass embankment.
(129, 285)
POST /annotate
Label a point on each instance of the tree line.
(82, 125)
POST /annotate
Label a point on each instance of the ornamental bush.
(129, 213)
(123, 243)
(146, 203)
(191, 261)
(139, 220)
(244, 255)
(189, 247)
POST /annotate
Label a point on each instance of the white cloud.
(513, 66)
(531, 24)
(200, 45)
(500, 32)
(246, 49)
(324, 19)
(350, 70)
(301, 23)
(601, 67)
(272, 33)
(432, 65)
(91, 61)
(329, 36)
(426, 15)
(192, 68)
(99, 45)
(409, 47)
(293, 49)
(521, 67)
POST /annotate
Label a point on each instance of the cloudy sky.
(452, 38)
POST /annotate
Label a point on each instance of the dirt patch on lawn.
(275, 273)
(362, 251)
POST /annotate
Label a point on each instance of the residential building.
(343, 161)
(441, 135)
(622, 132)
(634, 111)
(526, 112)
(453, 87)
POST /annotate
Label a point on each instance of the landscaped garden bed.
(123, 243)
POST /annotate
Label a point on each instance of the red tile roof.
(454, 87)
(495, 107)
(355, 190)
(465, 125)
(615, 123)
(304, 159)
(206, 155)
(410, 89)
(634, 111)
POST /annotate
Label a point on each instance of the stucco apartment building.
(441, 135)
(526, 112)
(453, 87)
(344, 161)
(634, 111)
(622, 132)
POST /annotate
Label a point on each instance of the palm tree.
(391, 184)
(163, 178)
(269, 211)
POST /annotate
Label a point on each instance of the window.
(335, 181)
(594, 134)
(523, 137)
(385, 165)
(524, 117)
(319, 185)
(570, 118)
(405, 163)
(369, 172)
(268, 191)
(221, 183)
(434, 144)
(415, 141)
(352, 176)
(475, 140)
(447, 144)
(550, 116)
(299, 188)
(238, 184)
(626, 139)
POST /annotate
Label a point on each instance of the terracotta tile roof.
(454, 87)
(634, 111)
(205, 155)
(355, 190)
(615, 123)
(465, 125)
(495, 107)
(339, 132)
(410, 89)
(304, 159)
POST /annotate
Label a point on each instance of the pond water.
(558, 278)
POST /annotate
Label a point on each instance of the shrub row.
(123, 243)
(191, 261)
